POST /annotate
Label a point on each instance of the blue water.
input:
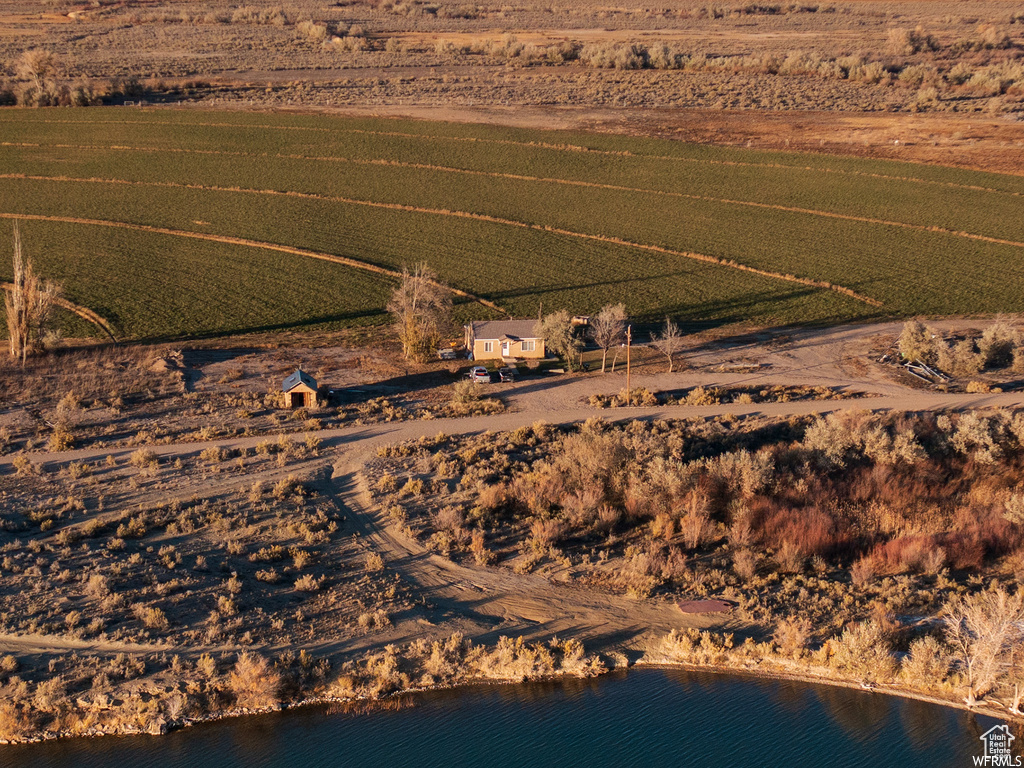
(646, 718)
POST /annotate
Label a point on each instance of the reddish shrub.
(966, 551)
(637, 502)
(894, 486)
(922, 552)
(539, 491)
(811, 531)
(547, 532)
(993, 532)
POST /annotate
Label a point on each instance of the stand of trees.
(607, 330)
(986, 631)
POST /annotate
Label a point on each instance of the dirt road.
(831, 357)
(485, 603)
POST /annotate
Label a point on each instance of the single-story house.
(299, 390)
(504, 340)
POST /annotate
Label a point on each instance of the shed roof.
(498, 329)
(299, 377)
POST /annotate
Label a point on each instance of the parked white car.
(479, 375)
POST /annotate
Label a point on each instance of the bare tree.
(985, 629)
(668, 342)
(39, 68)
(422, 307)
(560, 336)
(28, 304)
(608, 329)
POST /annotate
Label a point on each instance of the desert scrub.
(455, 660)
(698, 396)
(129, 572)
(374, 620)
(254, 682)
(309, 583)
(144, 459)
(214, 455)
(467, 400)
(842, 515)
(997, 348)
(964, 659)
(640, 396)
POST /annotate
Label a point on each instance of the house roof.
(299, 377)
(500, 329)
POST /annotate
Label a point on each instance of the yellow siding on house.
(485, 339)
(515, 349)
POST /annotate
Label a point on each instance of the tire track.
(226, 239)
(83, 312)
(729, 263)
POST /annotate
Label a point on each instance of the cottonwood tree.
(560, 337)
(669, 341)
(28, 304)
(421, 306)
(985, 629)
(608, 329)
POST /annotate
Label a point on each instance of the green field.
(918, 239)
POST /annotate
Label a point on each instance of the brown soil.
(987, 144)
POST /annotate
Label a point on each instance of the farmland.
(175, 224)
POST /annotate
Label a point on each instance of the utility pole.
(629, 339)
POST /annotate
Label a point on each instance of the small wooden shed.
(299, 390)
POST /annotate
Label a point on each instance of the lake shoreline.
(391, 700)
(810, 678)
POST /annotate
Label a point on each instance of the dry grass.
(455, 660)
